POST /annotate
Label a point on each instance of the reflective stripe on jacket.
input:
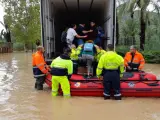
(138, 60)
(110, 61)
(62, 66)
(40, 67)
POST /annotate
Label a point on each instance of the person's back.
(61, 66)
(61, 70)
(110, 63)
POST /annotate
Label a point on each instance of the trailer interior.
(57, 14)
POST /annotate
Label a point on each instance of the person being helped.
(75, 52)
(82, 32)
(112, 65)
(40, 68)
(61, 71)
(88, 57)
(133, 60)
(71, 34)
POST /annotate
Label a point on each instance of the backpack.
(88, 47)
(63, 36)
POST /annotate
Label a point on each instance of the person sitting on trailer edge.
(61, 71)
(112, 66)
(133, 60)
(75, 52)
(40, 68)
(71, 34)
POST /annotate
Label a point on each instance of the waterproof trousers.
(39, 83)
(63, 81)
(111, 80)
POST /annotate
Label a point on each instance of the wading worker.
(133, 60)
(61, 70)
(40, 68)
(112, 65)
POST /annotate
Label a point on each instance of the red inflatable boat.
(132, 85)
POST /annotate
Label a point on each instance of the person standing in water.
(112, 65)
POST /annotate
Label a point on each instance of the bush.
(18, 46)
(150, 56)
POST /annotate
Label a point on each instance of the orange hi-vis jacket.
(137, 60)
(40, 68)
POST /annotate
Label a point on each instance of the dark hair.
(110, 47)
(72, 25)
(93, 21)
(66, 50)
(38, 42)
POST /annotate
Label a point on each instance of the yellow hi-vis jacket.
(99, 54)
(61, 67)
(75, 53)
(110, 61)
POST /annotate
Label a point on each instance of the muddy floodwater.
(20, 101)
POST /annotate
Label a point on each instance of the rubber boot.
(106, 97)
(39, 87)
(117, 97)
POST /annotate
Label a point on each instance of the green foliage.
(18, 46)
(23, 18)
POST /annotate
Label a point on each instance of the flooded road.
(20, 101)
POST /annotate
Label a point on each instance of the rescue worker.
(75, 52)
(112, 66)
(40, 68)
(99, 53)
(133, 60)
(61, 70)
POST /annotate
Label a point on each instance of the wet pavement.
(20, 101)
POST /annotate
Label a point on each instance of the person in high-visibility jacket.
(75, 52)
(40, 68)
(99, 53)
(61, 70)
(112, 66)
(133, 60)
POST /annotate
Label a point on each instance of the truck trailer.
(56, 14)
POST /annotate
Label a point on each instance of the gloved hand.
(121, 75)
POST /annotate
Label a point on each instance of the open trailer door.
(47, 27)
(56, 14)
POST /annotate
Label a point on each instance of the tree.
(144, 15)
(23, 19)
(7, 34)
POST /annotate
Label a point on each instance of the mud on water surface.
(19, 100)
